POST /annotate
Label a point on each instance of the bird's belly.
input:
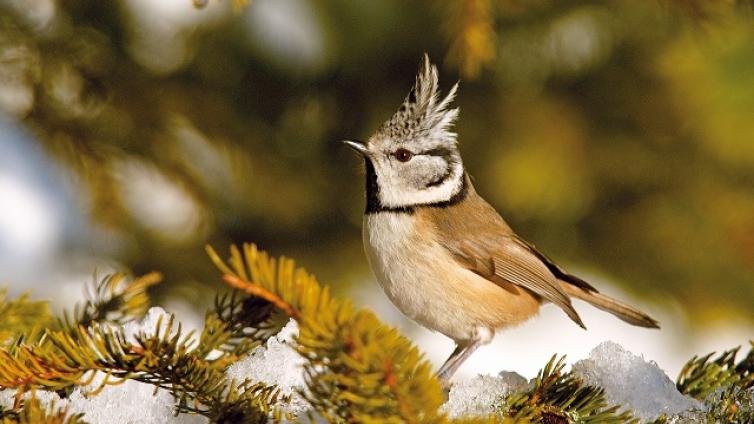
(427, 284)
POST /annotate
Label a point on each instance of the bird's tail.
(627, 313)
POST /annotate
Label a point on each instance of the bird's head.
(413, 159)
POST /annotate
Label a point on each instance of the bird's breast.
(394, 250)
(425, 282)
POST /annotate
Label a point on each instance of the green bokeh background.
(617, 136)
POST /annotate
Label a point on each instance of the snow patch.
(276, 363)
(479, 396)
(130, 402)
(632, 382)
(148, 324)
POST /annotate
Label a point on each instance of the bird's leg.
(481, 336)
(456, 359)
(441, 373)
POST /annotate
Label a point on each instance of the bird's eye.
(403, 155)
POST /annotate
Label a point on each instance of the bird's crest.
(423, 115)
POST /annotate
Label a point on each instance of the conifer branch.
(114, 299)
(357, 369)
(238, 324)
(166, 358)
(726, 386)
(254, 290)
(558, 396)
(702, 376)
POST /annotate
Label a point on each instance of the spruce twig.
(166, 357)
(560, 397)
(726, 386)
(114, 299)
(702, 376)
(357, 369)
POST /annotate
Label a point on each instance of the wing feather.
(512, 262)
(480, 240)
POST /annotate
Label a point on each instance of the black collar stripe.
(375, 206)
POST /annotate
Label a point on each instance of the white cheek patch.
(422, 171)
(439, 170)
(395, 192)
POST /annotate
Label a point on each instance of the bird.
(442, 254)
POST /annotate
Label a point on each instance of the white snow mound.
(632, 382)
(276, 363)
(480, 395)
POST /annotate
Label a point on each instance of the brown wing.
(555, 269)
(514, 263)
(479, 239)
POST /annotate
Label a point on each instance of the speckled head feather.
(422, 116)
(413, 159)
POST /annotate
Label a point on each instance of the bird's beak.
(357, 146)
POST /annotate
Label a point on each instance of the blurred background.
(618, 136)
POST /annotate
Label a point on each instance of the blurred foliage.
(22, 315)
(616, 135)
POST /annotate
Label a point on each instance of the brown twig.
(256, 290)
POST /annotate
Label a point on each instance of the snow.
(148, 324)
(631, 381)
(130, 402)
(480, 395)
(276, 363)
